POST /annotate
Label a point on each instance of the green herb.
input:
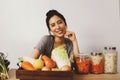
(3, 69)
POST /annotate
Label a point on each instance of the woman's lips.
(59, 31)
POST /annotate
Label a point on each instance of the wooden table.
(79, 76)
(97, 77)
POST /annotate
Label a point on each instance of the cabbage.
(60, 56)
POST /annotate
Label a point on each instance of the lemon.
(38, 64)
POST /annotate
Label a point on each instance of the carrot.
(49, 62)
(44, 57)
(27, 66)
(97, 68)
(83, 65)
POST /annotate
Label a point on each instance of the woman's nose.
(57, 26)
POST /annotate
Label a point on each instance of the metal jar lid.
(95, 54)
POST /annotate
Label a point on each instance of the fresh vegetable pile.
(3, 67)
(59, 61)
(44, 64)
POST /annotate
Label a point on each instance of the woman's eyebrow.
(52, 23)
(56, 21)
(59, 20)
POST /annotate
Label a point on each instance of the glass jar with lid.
(82, 63)
(97, 62)
(110, 57)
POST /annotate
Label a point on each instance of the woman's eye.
(59, 22)
(52, 25)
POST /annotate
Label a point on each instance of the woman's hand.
(70, 35)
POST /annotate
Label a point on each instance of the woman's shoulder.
(47, 37)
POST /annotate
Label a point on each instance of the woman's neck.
(59, 41)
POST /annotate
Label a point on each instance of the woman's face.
(57, 26)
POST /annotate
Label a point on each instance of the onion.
(55, 69)
(45, 68)
(65, 68)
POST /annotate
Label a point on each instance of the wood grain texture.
(44, 75)
(12, 74)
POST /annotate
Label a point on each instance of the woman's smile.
(60, 31)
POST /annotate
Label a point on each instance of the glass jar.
(97, 63)
(82, 63)
(110, 57)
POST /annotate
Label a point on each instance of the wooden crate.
(44, 75)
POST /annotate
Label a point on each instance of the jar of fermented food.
(110, 57)
(82, 63)
(97, 62)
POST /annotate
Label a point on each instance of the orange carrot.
(44, 57)
(27, 66)
(48, 62)
(82, 65)
(98, 68)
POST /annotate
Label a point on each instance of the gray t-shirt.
(46, 45)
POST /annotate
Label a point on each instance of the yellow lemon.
(38, 64)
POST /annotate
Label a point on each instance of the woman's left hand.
(70, 35)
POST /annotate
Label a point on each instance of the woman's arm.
(72, 37)
(35, 54)
(38, 49)
(75, 47)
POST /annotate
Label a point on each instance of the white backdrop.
(22, 24)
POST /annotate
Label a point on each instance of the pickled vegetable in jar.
(82, 63)
(110, 64)
(97, 63)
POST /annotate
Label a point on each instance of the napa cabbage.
(60, 56)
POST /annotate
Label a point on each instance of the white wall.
(22, 23)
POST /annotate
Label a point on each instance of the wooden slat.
(44, 75)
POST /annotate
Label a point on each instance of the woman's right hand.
(70, 35)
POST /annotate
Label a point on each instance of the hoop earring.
(50, 33)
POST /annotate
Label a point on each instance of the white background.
(22, 24)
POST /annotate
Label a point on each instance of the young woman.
(59, 35)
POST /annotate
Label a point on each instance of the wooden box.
(44, 75)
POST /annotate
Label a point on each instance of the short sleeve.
(42, 44)
(45, 45)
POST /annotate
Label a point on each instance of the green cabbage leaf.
(60, 56)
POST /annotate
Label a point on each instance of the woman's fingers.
(69, 34)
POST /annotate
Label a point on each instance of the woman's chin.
(60, 35)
